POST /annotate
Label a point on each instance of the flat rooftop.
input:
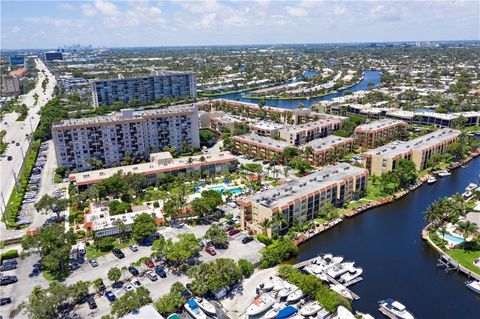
(282, 195)
(267, 125)
(263, 140)
(327, 142)
(311, 125)
(379, 125)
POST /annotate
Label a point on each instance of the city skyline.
(51, 24)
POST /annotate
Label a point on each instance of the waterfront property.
(379, 132)
(304, 133)
(135, 133)
(384, 159)
(162, 163)
(161, 84)
(261, 147)
(301, 199)
(322, 150)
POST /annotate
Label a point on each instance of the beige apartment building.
(304, 133)
(302, 199)
(379, 132)
(261, 147)
(322, 150)
(419, 150)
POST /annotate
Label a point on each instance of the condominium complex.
(128, 133)
(304, 133)
(302, 199)
(148, 88)
(419, 150)
(10, 85)
(162, 163)
(230, 122)
(261, 147)
(379, 132)
(322, 150)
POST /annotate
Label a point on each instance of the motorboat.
(467, 194)
(295, 296)
(395, 309)
(174, 316)
(340, 269)
(351, 274)
(280, 284)
(310, 309)
(329, 261)
(344, 313)
(322, 276)
(194, 310)
(471, 187)
(473, 285)
(363, 315)
(287, 312)
(444, 173)
(272, 313)
(323, 314)
(431, 180)
(206, 306)
(287, 290)
(341, 290)
(260, 305)
(270, 283)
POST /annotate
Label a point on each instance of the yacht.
(471, 187)
(341, 290)
(280, 284)
(344, 313)
(329, 261)
(310, 309)
(270, 283)
(272, 313)
(395, 309)
(323, 314)
(287, 290)
(444, 173)
(467, 194)
(260, 305)
(340, 269)
(194, 310)
(473, 285)
(351, 274)
(431, 180)
(206, 306)
(287, 312)
(295, 296)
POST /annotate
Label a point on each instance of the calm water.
(386, 242)
(369, 76)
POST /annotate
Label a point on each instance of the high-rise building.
(129, 133)
(53, 56)
(18, 59)
(10, 85)
(162, 84)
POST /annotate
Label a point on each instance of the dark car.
(9, 158)
(247, 239)
(35, 272)
(233, 232)
(5, 301)
(8, 266)
(221, 246)
(110, 296)
(7, 280)
(118, 253)
(211, 250)
(134, 271)
(160, 271)
(91, 302)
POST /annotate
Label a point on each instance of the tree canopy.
(143, 227)
(214, 275)
(217, 235)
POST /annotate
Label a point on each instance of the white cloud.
(207, 21)
(66, 6)
(44, 20)
(88, 10)
(15, 29)
(106, 8)
(297, 11)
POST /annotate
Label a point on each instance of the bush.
(264, 239)
(81, 234)
(246, 267)
(172, 301)
(9, 254)
(105, 244)
(282, 249)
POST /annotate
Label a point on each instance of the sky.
(102, 23)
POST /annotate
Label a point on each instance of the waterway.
(370, 76)
(386, 242)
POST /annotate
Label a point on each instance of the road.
(17, 130)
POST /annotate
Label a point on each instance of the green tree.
(178, 252)
(43, 303)
(172, 301)
(114, 274)
(217, 235)
(282, 249)
(246, 267)
(289, 153)
(104, 243)
(468, 228)
(214, 275)
(143, 227)
(78, 291)
(406, 172)
(131, 301)
(49, 204)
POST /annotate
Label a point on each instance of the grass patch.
(374, 192)
(465, 258)
(58, 277)
(22, 117)
(93, 253)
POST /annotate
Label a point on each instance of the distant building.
(379, 132)
(113, 137)
(10, 85)
(420, 150)
(18, 59)
(301, 199)
(324, 148)
(53, 56)
(304, 133)
(148, 88)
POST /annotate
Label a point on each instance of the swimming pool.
(452, 238)
(222, 189)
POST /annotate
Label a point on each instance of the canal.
(386, 242)
(370, 77)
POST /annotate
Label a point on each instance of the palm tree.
(468, 228)
(434, 212)
(308, 151)
(278, 220)
(265, 224)
(286, 169)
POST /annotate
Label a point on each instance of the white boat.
(270, 283)
(444, 173)
(295, 296)
(322, 276)
(287, 290)
(329, 261)
(279, 284)
(473, 285)
(340, 269)
(341, 290)
(431, 180)
(272, 313)
(395, 309)
(351, 274)
(310, 309)
(206, 306)
(471, 187)
(260, 305)
(344, 313)
(323, 314)
(194, 310)
(467, 194)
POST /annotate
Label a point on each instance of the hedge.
(9, 254)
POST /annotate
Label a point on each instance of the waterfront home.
(322, 150)
(260, 147)
(379, 132)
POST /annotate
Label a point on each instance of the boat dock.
(386, 313)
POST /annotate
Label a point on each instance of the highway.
(17, 133)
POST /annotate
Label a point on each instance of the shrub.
(9, 254)
(264, 239)
(105, 244)
(282, 249)
(246, 267)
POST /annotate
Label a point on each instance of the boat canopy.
(398, 306)
(286, 312)
(192, 304)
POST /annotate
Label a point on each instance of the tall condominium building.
(10, 85)
(137, 133)
(261, 147)
(379, 132)
(304, 133)
(419, 150)
(161, 84)
(325, 149)
(301, 199)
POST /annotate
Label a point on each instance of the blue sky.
(51, 24)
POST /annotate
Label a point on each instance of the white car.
(136, 284)
(128, 287)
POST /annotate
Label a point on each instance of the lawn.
(374, 192)
(93, 253)
(465, 258)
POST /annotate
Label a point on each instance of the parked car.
(150, 263)
(128, 287)
(152, 275)
(9, 158)
(5, 301)
(221, 246)
(233, 232)
(118, 253)
(110, 296)
(7, 280)
(133, 247)
(210, 250)
(160, 271)
(247, 239)
(134, 271)
(93, 262)
(8, 266)
(91, 302)
(136, 284)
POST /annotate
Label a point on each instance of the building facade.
(302, 199)
(148, 88)
(53, 56)
(323, 150)
(304, 133)
(260, 147)
(10, 85)
(419, 150)
(379, 132)
(129, 133)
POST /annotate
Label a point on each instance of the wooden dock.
(353, 282)
(335, 282)
(386, 313)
